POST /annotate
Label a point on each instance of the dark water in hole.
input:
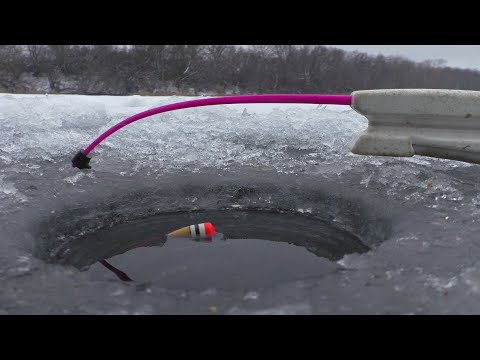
(251, 248)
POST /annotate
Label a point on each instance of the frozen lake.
(305, 226)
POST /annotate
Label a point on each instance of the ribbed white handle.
(407, 122)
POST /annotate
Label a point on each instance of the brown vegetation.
(214, 70)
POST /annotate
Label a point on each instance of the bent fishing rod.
(401, 122)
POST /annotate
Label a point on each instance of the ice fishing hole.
(251, 248)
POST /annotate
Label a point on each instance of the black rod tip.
(81, 161)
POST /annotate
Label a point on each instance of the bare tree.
(12, 65)
(37, 57)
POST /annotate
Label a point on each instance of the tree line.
(215, 69)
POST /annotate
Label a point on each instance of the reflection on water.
(120, 274)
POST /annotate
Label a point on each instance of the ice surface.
(428, 262)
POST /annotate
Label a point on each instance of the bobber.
(198, 231)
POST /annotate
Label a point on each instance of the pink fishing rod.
(81, 160)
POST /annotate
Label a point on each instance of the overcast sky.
(462, 56)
